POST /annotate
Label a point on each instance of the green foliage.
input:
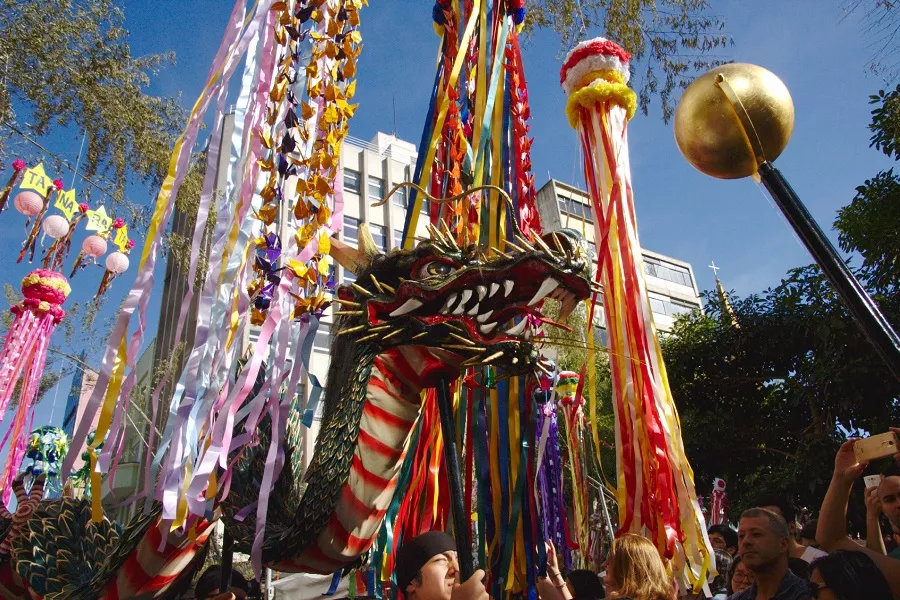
(759, 403)
(885, 125)
(672, 41)
(870, 224)
(68, 64)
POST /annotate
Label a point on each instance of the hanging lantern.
(55, 226)
(93, 246)
(24, 354)
(116, 264)
(28, 203)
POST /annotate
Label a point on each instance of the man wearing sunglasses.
(763, 544)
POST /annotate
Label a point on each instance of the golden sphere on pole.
(733, 118)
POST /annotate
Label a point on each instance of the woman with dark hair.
(847, 576)
(739, 577)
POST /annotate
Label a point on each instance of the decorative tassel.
(18, 166)
(24, 355)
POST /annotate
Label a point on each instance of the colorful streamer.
(656, 494)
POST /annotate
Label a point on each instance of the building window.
(351, 181)
(575, 208)
(348, 277)
(398, 238)
(351, 230)
(400, 197)
(379, 236)
(323, 337)
(425, 206)
(669, 306)
(668, 272)
(376, 189)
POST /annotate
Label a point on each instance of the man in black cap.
(427, 569)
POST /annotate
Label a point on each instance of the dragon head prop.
(483, 306)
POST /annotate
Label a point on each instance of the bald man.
(884, 499)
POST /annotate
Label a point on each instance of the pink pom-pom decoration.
(93, 246)
(130, 244)
(119, 223)
(28, 203)
(55, 226)
(117, 263)
(83, 207)
(18, 165)
(58, 184)
(45, 285)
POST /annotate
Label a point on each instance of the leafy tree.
(870, 224)
(760, 401)
(672, 41)
(67, 65)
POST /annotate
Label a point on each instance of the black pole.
(227, 562)
(864, 310)
(457, 506)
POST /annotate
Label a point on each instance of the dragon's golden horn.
(352, 329)
(466, 341)
(355, 260)
(361, 289)
(376, 282)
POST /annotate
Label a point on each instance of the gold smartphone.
(877, 446)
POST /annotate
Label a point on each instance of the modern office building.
(670, 282)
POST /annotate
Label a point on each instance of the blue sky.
(681, 212)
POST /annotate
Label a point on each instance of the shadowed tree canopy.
(671, 41)
(880, 27)
(66, 66)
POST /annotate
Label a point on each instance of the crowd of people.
(768, 557)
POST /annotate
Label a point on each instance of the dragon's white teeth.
(548, 286)
(482, 292)
(484, 317)
(507, 287)
(407, 307)
(449, 303)
(466, 294)
(494, 288)
(518, 328)
(487, 328)
(473, 311)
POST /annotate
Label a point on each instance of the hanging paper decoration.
(571, 410)
(23, 357)
(549, 485)
(656, 494)
(46, 449)
(116, 264)
(30, 242)
(28, 203)
(718, 500)
(18, 166)
(58, 251)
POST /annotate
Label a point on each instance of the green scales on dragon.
(410, 318)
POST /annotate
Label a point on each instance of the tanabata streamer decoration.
(290, 118)
(549, 484)
(655, 490)
(47, 447)
(18, 166)
(24, 355)
(571, 409)
(718, 501)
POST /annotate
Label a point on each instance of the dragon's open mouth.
(492, 305)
